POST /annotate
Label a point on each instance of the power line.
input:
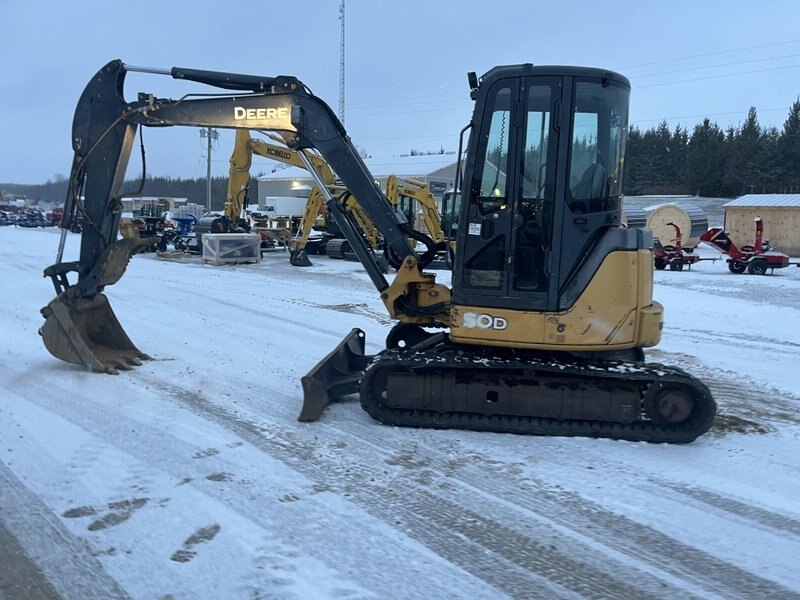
(706, 115)
(730, 64)
(707, 77)
(669, 60)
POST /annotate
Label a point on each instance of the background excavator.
(543, 329)
(245, 146)
(404, 193)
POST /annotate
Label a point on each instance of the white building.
(438, 170)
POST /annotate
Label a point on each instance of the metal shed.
(779, 212)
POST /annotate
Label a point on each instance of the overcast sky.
(405, 69)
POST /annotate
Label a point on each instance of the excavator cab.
(542, 184)
(538, 238)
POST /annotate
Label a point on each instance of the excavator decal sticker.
(484, 321)
(279, 153)
(274, 117)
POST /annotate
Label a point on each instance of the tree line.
(709, 161)
(195, 190)
(713, 162)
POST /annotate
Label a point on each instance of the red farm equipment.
(674, 256)
(755, 259)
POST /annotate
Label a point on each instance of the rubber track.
(442, 360)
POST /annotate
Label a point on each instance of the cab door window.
(486, 256)
(534, 205)
(493, 193)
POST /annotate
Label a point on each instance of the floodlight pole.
(209, 134)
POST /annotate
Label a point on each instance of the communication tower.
(341, 64)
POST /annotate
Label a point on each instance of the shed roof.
(383, 166)
(776, 200)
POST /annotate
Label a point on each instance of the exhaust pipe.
(334, 376)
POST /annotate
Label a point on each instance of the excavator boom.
(104, 128)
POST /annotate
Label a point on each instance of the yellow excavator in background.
(543, 328)
(245, 146)
(406, 194)
(232, 219)
(403, 193)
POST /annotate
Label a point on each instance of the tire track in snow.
(624, 542)
(765, 291)
(630, 541)
(457, 534)
(344, 554)
(471, 529)
(584, 519)
(69, 570)
(777, 523)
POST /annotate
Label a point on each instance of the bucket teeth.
(85, 331)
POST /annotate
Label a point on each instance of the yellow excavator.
(543, 328)
(406, 194)
(245, 146)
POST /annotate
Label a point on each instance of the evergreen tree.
(661, 142)
(633, 183)
(676, 166)
(789, 151)
(705, 160)
(768, 160)
(743, 173)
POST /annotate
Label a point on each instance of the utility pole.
(211, 134)
(341, 64)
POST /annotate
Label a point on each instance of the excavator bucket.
(334, 376)
(85, 331)
(299, 258)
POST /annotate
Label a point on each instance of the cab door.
(505, 239)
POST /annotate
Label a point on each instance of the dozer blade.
(334, 376)
(85, 331)
(299, 258)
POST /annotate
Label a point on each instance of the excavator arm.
(238, 177)
(80, 326)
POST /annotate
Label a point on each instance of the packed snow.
(190, 476)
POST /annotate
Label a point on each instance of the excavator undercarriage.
(444, 385)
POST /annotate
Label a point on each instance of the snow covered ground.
(190, 477)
